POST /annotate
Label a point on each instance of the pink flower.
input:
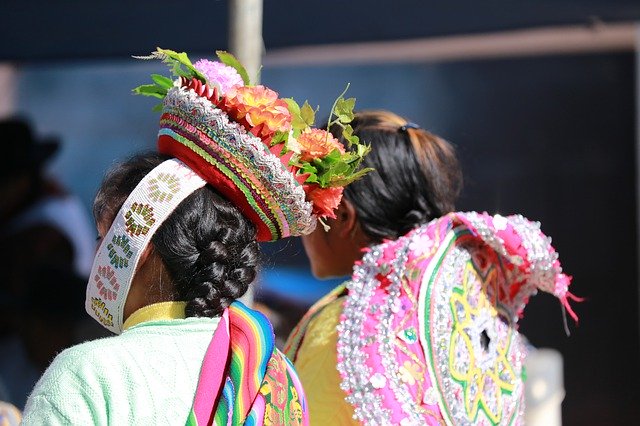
(219, 75)
(325, 200)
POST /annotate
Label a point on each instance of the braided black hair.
(207, 246)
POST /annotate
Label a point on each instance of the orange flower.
(258, 109)
(325, 200)
(315, 143)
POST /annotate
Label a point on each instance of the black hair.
(207, 246)
(417, 177)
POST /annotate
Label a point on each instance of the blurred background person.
(46, 244)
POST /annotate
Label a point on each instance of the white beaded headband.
(146, 208)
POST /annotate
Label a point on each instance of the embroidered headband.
(258, 150)
(146, 208)
(428, 331)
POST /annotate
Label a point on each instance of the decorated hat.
(428, 333)
(258, 150)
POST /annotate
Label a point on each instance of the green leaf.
(344, 110)
(339, 168)
(311, 179)
(308, 168)
(162, 81)
(157, 108)
(344, 107)
(151, 90)
(363, 150)
(230, 60)
(178, 61)
(347, 132)
(308, 114)
(297, 122)
(279, 137)
(346, 180)
(293, 106)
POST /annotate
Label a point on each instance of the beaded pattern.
(119, 251)
(142, 213)
(139, 219)
(107, 283)
(428, 333)
(268, 187)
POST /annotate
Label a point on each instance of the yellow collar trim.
(156, 311)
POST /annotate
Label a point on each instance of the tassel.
(575, 298)
(565, 303)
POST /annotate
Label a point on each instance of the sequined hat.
(428, 332)
(258, 150)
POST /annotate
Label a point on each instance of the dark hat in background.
(21, 150)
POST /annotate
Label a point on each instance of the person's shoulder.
(90, 362)
(66, 392)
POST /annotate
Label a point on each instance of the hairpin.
(409, 125)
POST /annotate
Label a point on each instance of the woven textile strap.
(244, 379)
(146, 208)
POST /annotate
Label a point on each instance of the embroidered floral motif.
(107, 282)
(163, 187)
(282, 402)
(479, 347)
(139, 219)
(120, 251)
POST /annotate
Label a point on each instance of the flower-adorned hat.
(428, 333)
(258, 150)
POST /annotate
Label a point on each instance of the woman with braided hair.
(424, 332)
(178, 245)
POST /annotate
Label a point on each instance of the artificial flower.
(219, 75)
(315, 143)
(259, 109)
(325, 200)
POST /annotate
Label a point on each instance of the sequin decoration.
(428, 334)
(409, 335)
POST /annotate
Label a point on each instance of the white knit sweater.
(145, 376)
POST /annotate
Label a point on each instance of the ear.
(346, 219)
